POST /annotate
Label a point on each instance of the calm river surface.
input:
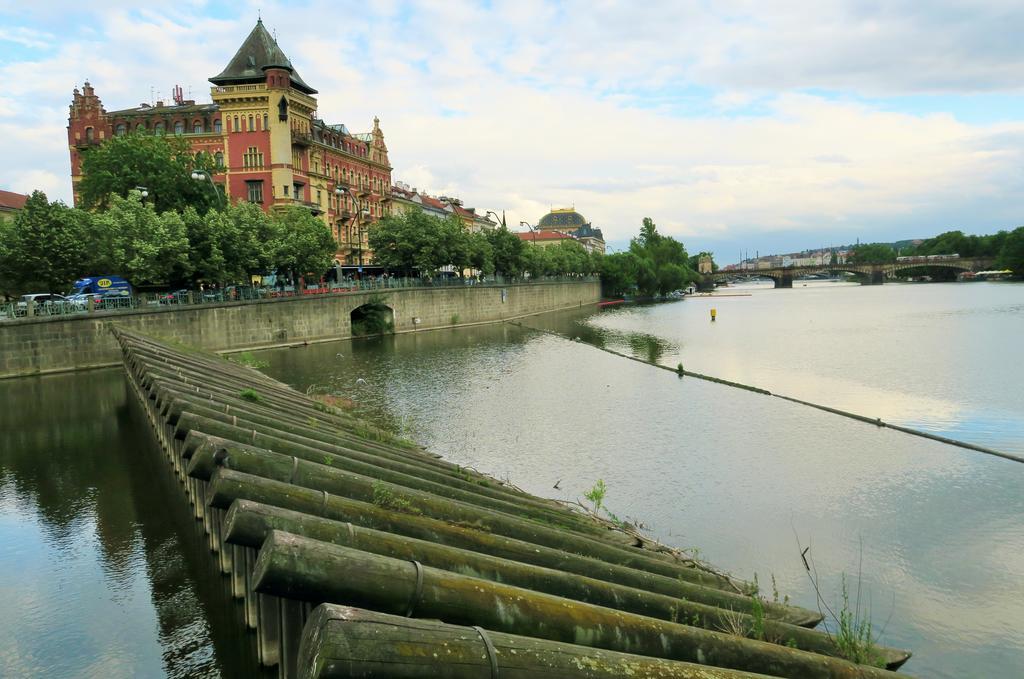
(104, 574)
(742, 476)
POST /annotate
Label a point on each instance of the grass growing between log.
(247, 359)
(854, 635)
(385, 499)
(251, 395)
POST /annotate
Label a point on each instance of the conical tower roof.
(259, 52)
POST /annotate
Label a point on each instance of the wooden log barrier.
(352, 577)
(249, 523)
(340, 642)
(226, 486)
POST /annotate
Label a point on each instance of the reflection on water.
(737, 474)
(939, 357)
(101, 577)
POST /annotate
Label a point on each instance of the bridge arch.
(372, 318)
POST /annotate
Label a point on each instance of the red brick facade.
(263, 131)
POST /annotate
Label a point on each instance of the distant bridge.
(867, 274)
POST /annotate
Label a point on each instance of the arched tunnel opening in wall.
(372, 318)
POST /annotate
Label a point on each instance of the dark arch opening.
(372, 318)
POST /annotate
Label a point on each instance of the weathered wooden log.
(405, 468)
(285, 567)
(226, 486)
(309, 466)
(248, 523)
(321, 477)
(340, 642)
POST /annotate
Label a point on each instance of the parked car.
(80, 300)
(44, 302)
(175, 297)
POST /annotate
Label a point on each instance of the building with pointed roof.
(267, 141)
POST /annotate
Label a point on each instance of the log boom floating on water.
(355, 554)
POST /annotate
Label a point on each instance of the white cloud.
(524, 106)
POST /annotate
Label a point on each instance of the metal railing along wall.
(150, 300)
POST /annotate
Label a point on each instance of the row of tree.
(1006, 246)
(418, 244)
(49, 245)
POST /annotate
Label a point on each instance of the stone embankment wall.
(32, 346)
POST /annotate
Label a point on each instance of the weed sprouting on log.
(854, 634)
(247, 359)
(251, 395)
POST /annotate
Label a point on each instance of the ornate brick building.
(268, 143)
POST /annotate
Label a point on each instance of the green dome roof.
(566, 218)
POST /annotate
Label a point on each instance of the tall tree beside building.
(137, 242)
(161, 164)
(508, 252)
(872, 253)
(664, 263)
(45, 248)
(303, 245)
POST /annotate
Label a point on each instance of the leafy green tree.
(141, 244)
(662, 264)
(508, 252)
(245, 237)
(619, 273)
(45, 246)
(872, 253)
(303, 244)
(1011, 256)
(408, 242)
(481, 253)
(162, 164)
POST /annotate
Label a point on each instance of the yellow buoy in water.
(714, 312)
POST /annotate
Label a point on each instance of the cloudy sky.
(736, 125)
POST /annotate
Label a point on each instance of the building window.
(88, 134)
(216, 126)
(252, 158)
(255, 191)
(266, 121)
(219, 159)
(158, 128)
(237, 128)
(197, 127)
(319, 198)
(252, 128)
(120, 129)
(284, 191)
(179, 127)
(298, 191)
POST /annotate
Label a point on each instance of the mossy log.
(321, 477)
(398, 470)
(305, 466)
(286, 567)
(248, 523)
(227, 486)
(340, 642)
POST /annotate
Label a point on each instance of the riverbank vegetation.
(1007, 247)
(654, 265)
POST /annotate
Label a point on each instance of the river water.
(108, 576)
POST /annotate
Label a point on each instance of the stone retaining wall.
(31, 346)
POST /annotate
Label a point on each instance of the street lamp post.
(502, 220)
(200, 175)
(143, 191)
(532, 230)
